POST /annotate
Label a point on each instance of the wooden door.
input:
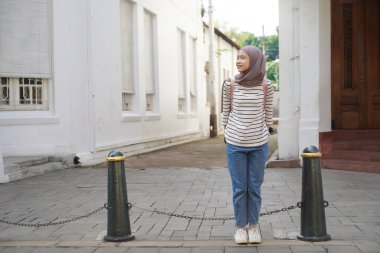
(372, 31)
(355, 64)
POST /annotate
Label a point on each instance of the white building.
(87, 77)
(330, 81)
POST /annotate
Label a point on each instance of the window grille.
(24, 94)
(4, 91)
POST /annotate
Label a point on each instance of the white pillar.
(309, 73)
(324, 66)
(289, 79)
(304, 74)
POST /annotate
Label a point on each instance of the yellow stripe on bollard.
(311, 155)
(116, 159)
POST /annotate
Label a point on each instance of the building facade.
(83, 78)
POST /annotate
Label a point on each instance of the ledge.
(29, 120)
(130, 117)
(152, 116)
(182, 115)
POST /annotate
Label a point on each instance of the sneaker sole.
(255, 242)
(241, 242)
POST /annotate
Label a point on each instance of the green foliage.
(247, 38)
(273, 73)
(272, 48)
(271, 45)
(252, 40)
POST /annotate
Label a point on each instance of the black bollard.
(313, 220)
(118, 224)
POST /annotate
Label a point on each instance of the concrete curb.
(177, 244)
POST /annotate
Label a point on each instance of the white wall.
(113, 128)
(85, 115)
(64, 128)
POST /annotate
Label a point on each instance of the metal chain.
(279, 210)
(189, 217)
(52, 223)
(211, 218)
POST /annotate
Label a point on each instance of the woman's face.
(242, 61)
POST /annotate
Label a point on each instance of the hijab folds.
(255, 74)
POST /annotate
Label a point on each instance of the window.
(149, 59)
(127, 57)
(181, 57)
(24, 94)
(25, 50)
(193, 75)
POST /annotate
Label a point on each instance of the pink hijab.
(255, 74)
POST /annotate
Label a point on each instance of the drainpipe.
(91, 95)
(213, 118)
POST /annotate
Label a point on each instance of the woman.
(247, 115)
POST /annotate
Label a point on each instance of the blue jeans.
(246, 167)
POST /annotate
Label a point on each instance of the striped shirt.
(246, 125)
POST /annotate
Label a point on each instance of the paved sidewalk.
(204, 190)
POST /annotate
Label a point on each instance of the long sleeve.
(269, 105)
(226, 102)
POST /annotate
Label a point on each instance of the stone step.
(353, 155)
(31, 171)
(351, 165)
(369, 134)
(21, 167)
(372, 145)
(14, 163)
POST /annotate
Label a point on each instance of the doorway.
(355, 64)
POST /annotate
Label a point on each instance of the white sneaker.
(241, 236)
(254, 235)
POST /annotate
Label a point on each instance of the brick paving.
(202, 190)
